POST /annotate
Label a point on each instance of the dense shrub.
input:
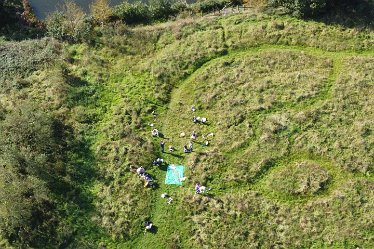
(302, 7)
(346, 9)
(101, 11)
(60, 28)
(133, 13)
(155, 10)
(70, 24)
(162, 9)
(21, 58)
(7, 11)
(55, 25)
(210, 5)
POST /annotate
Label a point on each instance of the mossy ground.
(276, 91)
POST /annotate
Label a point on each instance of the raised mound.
(302, 178)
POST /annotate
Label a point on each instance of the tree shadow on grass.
(163, 167)
(354, 14)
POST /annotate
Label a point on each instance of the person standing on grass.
(162, 144)
(193, 135)
(197, 188)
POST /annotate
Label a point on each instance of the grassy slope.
(286, 90)
(277, 92)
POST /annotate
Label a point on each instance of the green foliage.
(210, 5)
(276, 91)
(346, 12)
(303, 178)
(162, 9)
(101, 11)
(55, 26)
(22, 58)
(8, 9)
(303, 8)
(70, 24)
(27, 154)
(133, 13)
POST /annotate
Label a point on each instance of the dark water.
(44, 7)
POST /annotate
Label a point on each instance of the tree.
(302, 8)
(133, 13)
(101, 11)
(70, 23)
(73, 15)
(162, 9)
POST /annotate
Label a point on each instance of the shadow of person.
(163, 167)
(153, 230)
(176, 155)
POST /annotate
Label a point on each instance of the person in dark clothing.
(158, 161)
(193, 135)
(147, 226)
(162, 144)
(194, 120)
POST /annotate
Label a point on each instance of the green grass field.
(289, 103)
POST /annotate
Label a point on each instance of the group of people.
(198, 120)
(159, 161)
(187, 149)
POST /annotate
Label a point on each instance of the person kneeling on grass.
(197, 188)
(147, 226)
(148, 181)
(140, 171)
(158, 161)
(171, 148)
(155, 133)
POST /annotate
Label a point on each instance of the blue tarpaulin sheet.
(174, 174)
